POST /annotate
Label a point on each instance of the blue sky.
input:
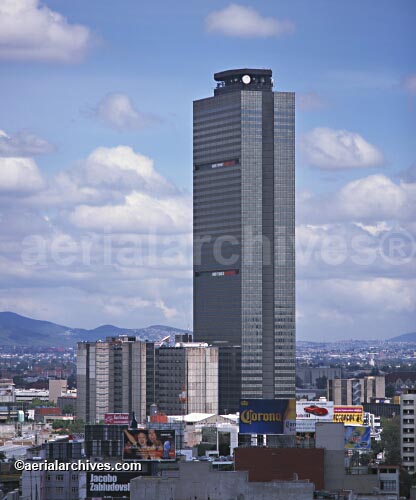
(80, 79)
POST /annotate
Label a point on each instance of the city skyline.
(95, 156)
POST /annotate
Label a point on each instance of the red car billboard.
(314, 410)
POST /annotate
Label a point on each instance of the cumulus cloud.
(19, 175)
(119, 112)
(377, 198)
(139, 199)
(92, 237)
(23, 143)
(139, 213)
(372, 198)
(122, 168)
(409, 84)
(30, 31)
(331, 149)
(241, 21)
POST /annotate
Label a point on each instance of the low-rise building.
(355, 391)
(209, 483)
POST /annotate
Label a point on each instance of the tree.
(390, 440)
(36, 403)
(68, 410)
(58, 424)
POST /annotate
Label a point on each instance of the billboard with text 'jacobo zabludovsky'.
(267, 416)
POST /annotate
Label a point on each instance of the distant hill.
(21, 331)
(406, 337)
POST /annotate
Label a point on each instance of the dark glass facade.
(244, 223)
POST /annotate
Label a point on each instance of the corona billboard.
(267, 416)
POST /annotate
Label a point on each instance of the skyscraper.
(244, 228)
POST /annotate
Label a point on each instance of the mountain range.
(19, 330)
(22, 331)
(406, 337)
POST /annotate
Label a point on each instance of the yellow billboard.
(349, 415)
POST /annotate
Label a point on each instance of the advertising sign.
(315, 410)
(349, 414)
(304, 425)
(110, 484)
(267, 416)
(116, 418)
(149, 444)
(357, 437)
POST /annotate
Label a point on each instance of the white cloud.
(409, 84)
(140, 213)
(339, 149)
(19, 175)
(94, 236)
(119, 112)
(375, 294)
(242, 21)
(30, 31)
(374, 198)
(122, 169)
(310, 101)
(23, 143)
(377, 197)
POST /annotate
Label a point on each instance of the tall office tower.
(191, 368)
(244, 228)
(115, 376)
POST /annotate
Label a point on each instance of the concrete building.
(115, 376)
(122, 375)
(244, 229)
(28, 395)
(7, 391)
(104, 441)
(198, 481)
(355, 391)
(189, 368)
(51, 485)
(67, 403)
(56, 389)
(309, 375)
(407, 430)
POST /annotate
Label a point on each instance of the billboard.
(357, 437)
(353, 415)
(149, 444)
(110, 484)
(267, 416)
(116, 418)
(315, 410)
(304, 425)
